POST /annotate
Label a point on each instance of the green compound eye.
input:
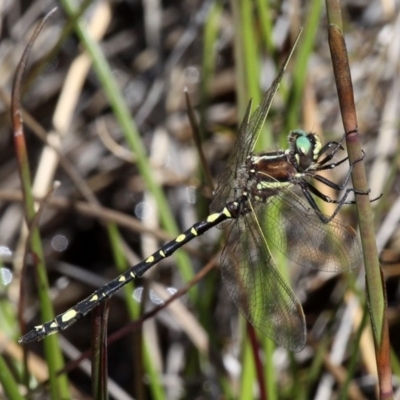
(303, 145)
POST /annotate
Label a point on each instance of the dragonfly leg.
(322, 166)
(329, 156)
(334, 185)
(307, 189)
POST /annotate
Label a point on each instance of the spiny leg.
(329, 156)
(334, 185)
(307, 187)
(338, 147)
(326, 147)
(322, 164)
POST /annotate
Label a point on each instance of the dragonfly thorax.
(268, 172)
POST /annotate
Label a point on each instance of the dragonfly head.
(304, 149)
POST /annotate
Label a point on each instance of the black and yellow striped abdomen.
(69, 317)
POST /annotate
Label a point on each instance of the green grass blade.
(58, 384)
(122, 114)
(154, 378)
(303, 53)
(9, 384)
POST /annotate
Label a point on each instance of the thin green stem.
(132, 136)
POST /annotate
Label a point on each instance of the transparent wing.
(231, 180)
(258, 289)
(233, 175)
(302, 237)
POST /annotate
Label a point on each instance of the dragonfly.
(274, 190)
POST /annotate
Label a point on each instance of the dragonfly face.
(304, 149)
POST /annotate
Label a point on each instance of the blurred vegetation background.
(107, 92)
